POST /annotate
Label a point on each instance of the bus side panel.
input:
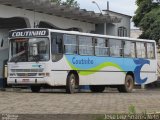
(103, 70)
(104, 77)
(59, 72)
(98, 69)
(149, 72)
(59, 78)
(94, 70)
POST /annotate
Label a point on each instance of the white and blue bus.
(46, 57)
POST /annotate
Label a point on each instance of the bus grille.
(26, 70)
(26, 74)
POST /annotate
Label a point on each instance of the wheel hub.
(72, 82)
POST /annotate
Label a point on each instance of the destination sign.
(28, 33)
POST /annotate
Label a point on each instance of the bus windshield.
(29, 49)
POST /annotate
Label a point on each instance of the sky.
(127, 7)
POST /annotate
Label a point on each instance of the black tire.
(71, 83)
(128, 85)
(97, 88)
(35, 89)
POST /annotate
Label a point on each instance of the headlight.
(44, 74)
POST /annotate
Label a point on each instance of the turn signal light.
(47, 74)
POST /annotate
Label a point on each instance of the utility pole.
(94, 2)
(101, 14)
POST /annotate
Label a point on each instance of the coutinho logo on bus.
(82, 61)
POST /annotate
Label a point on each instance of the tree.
(147, 18)
(71, 3)
(56, 1)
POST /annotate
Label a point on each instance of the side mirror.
(2, 42)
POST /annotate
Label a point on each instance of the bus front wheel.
(71, 83)
(35, 89)
(97, 88)
(128, 85)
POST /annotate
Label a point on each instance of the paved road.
(48, 102)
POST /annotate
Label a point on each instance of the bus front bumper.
(26, 80)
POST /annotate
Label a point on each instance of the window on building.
(70, 44)
(122, 32)
(141, 49)
(150, 50)
(101, 47)
(86, 45)
(116, 47)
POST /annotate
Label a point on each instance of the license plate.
(25, 80)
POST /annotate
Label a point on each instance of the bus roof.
(78, 33)
(99, 35)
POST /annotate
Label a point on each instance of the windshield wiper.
(16, 57)
(14, 60)
(35, 58)
(21, 58)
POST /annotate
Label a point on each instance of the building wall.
(8, 12)
(135, 33)
(112, 29)
(99, 29)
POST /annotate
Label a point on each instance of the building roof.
(110, 12)
(47, 7)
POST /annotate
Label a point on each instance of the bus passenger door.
(56, 46)
(58, 70)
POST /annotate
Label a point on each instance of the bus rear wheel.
(71, 83)
(128, 85)
(35, 89)
(97, 88)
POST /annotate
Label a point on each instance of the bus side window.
(150, 51)
(56, 46)
(86, 45)
(133, 49)
(141, 50)
(57, 43)
(115, 47)
(128, 49)
(101, 47)
(70, 44)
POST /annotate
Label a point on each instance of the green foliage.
(150, 24)
(144, 6)
(147, 17)
(100, 118)
(132, 109)
(71, 3)
(56, 1)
